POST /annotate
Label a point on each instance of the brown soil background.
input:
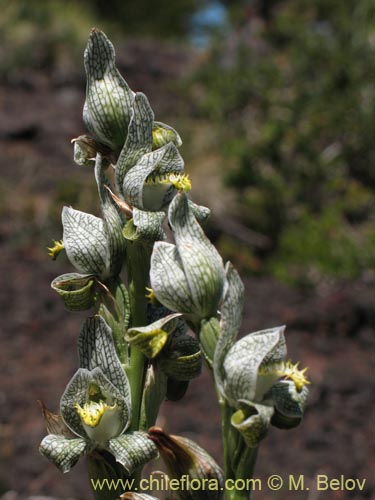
(331, 330)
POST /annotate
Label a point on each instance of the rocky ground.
(330, 330)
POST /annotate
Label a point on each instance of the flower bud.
(109, 100)
(187, 277)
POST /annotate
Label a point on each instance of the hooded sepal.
(243, 360)
(152, 338)
(289, 404)
(90, 393)
(152, 182)
(252, 421)
(85, 242)
(187, 277)
(132, 450)
(139, 138)
(145, 226)
(184, 457)
(109, 100)
(78, 291)
(94, 245)
(96, 349)
(62, 451)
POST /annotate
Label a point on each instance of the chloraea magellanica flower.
(252, 375)
(96, 407)
(187, 277)
(95, 246)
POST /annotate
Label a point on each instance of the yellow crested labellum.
(297, 376)
(92, 412)
(285, 369)
(58, 246)
(100, 421)
(181, 182)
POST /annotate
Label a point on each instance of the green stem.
(114, 307)
(239, 459)
(245, 469)
(138, 272)
(225, 431)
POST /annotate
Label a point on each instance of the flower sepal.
(78, 291)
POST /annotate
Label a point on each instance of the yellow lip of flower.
(181, 182)
(54, 251)
(287, 370)
(91, 412)
(298, 376)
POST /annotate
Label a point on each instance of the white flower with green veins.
(95, 246)
(96, 407)
(148, 177)
(252, 376)
(187, 277)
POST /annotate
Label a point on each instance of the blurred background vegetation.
(281, 90)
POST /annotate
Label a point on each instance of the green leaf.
(77, 290)
(152, 338)
(63, 452)
(96, 350)
(242, 362)
(139, 139)
(252, 422)
(107, 109)
(132, 450)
